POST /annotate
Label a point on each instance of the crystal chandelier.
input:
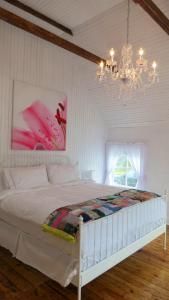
(130, 75)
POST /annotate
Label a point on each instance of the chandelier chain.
(128, 20)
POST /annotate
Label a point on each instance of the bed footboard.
(105, 242)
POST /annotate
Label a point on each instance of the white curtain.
(113, 151)
(136, 154)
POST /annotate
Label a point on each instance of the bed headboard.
(20, 160)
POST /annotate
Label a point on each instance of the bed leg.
(165, 233)
(79, 292)
(80, 256)
(165, 239)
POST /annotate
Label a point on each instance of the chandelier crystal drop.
(130, 75)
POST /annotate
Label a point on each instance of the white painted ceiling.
(71, 12)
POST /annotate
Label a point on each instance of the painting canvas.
(39, 118)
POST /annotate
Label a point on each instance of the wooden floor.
(143, 276)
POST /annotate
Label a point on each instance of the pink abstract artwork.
(40, 125)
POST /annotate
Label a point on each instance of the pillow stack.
(38, 176)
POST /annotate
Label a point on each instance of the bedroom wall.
(30, 59)
(146, 115)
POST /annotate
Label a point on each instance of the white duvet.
(36, 204)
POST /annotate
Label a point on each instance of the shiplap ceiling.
(99, 25)
(71, 12)
(163, 5)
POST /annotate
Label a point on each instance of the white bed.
(102, 244)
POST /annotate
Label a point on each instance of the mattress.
(23, 212)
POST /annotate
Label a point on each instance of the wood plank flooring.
(143, 276)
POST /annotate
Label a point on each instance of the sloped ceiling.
(109, 30)
(99, 25)
(163, 5)
(71, 12)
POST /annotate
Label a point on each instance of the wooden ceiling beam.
(39, 15)
(40, 32)
(153, 10)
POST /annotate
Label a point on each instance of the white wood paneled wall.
(30, 59)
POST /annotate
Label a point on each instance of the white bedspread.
(36, 204)
(28, 209)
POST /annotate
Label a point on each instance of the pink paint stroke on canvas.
(46, 131)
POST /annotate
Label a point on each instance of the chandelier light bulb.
(101, 65)
(112, 52)
(141, 52)
(154, 65)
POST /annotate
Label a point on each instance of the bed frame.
(98, 268)
(84, 277)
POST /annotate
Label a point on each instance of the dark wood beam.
(39, 15)
(40, 32)
(153, 10)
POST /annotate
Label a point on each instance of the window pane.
(124, 174)
(131, 181)
(120, 171)
(120, 180)
(122, 162)
(121, 166)
(131, 178)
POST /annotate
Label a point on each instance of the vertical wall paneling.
(30, 59)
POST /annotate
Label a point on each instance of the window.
(125, 164)
(124, 174)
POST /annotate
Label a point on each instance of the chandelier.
(130, 75)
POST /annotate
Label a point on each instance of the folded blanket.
(64, 221)
(138, 195)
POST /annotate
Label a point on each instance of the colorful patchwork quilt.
(64, 221)
(138, 195)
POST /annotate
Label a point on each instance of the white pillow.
(25, 178)
(62, 173)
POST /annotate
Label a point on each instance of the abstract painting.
(39, 118)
